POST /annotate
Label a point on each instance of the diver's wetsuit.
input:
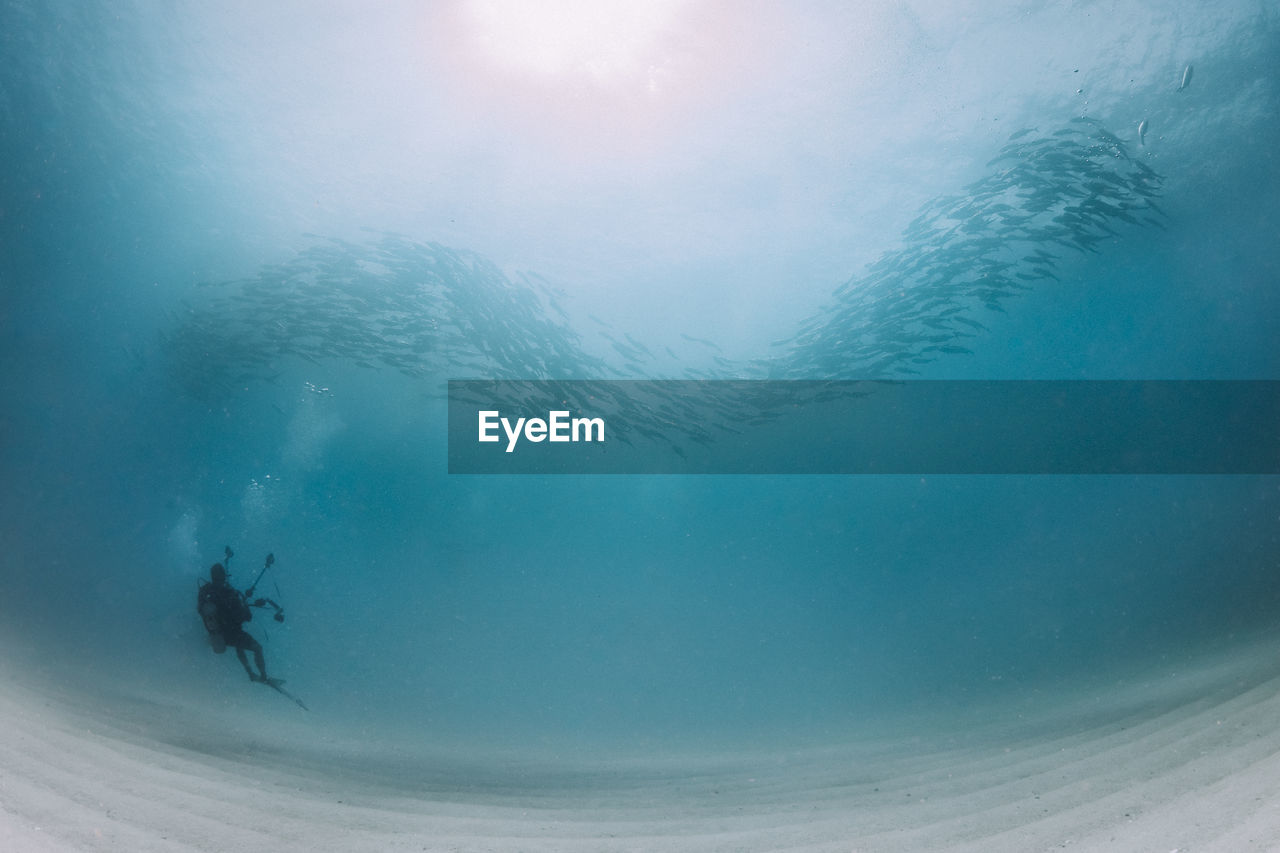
(232, 613)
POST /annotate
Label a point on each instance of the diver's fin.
(274, 683)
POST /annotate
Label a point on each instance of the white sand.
(1182, 759)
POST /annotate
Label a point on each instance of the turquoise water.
(207, 338)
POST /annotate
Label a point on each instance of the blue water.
(169, 169)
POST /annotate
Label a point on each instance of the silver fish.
(1186, 77)
(1142, 132)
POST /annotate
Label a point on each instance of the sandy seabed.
(1185, 758)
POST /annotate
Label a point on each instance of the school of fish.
(434, 313)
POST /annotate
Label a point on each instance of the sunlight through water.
(608, 43)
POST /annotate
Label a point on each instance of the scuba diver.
(225, 609)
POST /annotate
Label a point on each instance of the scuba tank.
(207, 607)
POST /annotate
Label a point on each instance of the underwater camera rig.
(278, 615)
(264, 602)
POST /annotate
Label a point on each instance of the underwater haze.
(244, 246)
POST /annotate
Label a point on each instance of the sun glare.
(602, 41)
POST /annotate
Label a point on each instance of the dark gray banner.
(864, 427)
